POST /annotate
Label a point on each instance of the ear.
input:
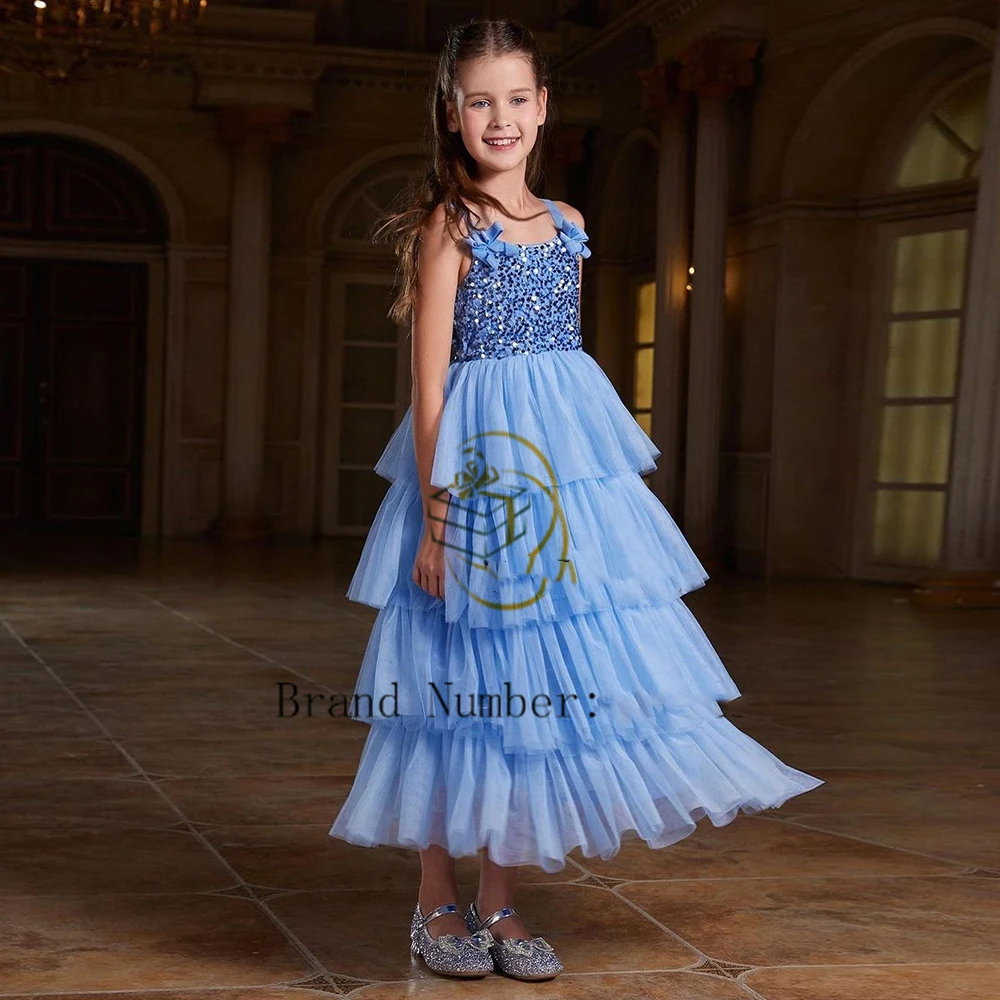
(543, 104)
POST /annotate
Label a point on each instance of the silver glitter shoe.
(521, 958)
(465, 957)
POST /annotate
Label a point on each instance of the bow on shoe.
(482, 939)
(452, 943)
(574, 238)
(524, 946)
(487, 246)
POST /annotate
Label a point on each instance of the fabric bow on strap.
(574, 238)
(487, 246)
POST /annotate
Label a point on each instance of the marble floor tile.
(243, 993)
(603, 986)
(259, 801)
(964, 836)
(886, 982)
(830, 921)
(306, 857)
(752, 847)
(881, 884)
(60, 803)
(70, 943)
(333, 750)
(915, 792)
(353, 932)
(28, 756)
(95, 861)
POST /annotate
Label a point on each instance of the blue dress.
(561, 695)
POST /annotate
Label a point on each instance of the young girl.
(533, 680)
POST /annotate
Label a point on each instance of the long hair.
(450, 174)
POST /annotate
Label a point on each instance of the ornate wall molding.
(718, 66)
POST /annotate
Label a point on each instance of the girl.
(535, 682)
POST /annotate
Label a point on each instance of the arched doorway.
(366, 374)
(920, 277)
(72, 336)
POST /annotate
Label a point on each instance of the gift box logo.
(490, 509)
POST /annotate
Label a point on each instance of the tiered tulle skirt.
(562, 694)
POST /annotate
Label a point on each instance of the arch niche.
(365, 379)
(78, 400)
(841, 176)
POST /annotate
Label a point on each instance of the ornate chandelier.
(66, 40)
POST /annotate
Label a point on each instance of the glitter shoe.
(466, 957)
(521, 958)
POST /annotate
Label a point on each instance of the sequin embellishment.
(520, 298)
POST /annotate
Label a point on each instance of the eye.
(483, 101)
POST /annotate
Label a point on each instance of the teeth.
(501, 142)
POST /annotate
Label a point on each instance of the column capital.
(718, 66)
(238, 124)
(660, 90)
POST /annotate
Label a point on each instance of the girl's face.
(496, 100)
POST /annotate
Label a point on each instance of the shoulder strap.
(557, 216)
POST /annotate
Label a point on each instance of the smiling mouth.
(504, 143)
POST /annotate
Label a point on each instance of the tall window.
(922, 325)
(366, 382)
(917, 347)
(374, 379)
(642, 356)
(948, 143)
(642, 366)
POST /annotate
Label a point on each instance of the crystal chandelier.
(67, 40)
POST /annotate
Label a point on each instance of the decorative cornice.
(960, 196)
(660, 91)
(668, 15)
(249, 73)
(239, 124)
(718, 66)
(657, 15)
(867, 20)
(255, 63)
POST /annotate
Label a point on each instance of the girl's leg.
(437, 887)
(496, 890)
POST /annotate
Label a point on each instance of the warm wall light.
(690, 270)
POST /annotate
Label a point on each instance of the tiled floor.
(163, 834)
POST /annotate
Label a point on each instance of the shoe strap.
(438, 912)
(506, 911)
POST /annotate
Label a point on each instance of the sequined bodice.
(520, 298)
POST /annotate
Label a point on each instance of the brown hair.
(450, 172)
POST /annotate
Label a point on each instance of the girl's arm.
(438, 263)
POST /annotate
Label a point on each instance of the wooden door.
(72, 371)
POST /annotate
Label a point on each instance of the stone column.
(972, 541)
(251, 132)
(712, 68)
(673, 257)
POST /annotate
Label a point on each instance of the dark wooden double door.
(72, 371)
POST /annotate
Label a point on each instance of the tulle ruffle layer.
(463, 791)
(569, 684)
(589, 545)
(536, 419)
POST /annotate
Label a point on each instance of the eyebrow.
(516, 90)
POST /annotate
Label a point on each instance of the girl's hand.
(428, 567)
